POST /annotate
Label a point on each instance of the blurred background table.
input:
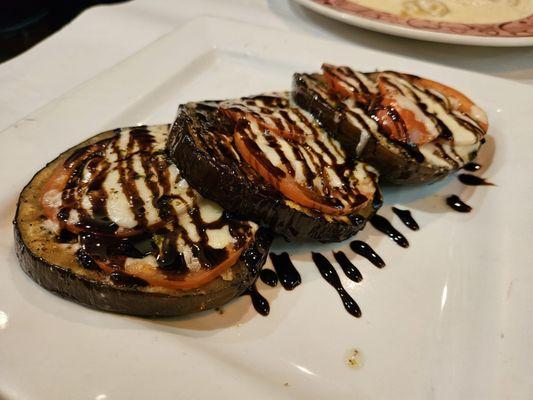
(104, 34)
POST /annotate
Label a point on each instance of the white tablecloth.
(103, 35)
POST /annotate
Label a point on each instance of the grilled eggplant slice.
(411, 129)
(112, 225)
(268, 161)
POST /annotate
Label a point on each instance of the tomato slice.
(412, 127)
(52, 203)
(287, 185)
(459, 100)
(51, 197)
(190, 280)
(419, 129)
(267, 122)
(338, 82)
(52, 190)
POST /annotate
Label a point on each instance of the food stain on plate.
(353, 359)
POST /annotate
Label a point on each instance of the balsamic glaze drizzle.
(289, 277)
(66, 236)
(367, 252)
(259, 302)
(383, 225)
(269, 277)
(407, 219)
(472, 167)
(457, 204)
(472, 180)
(277, 111)
(330, 275)
(371, 106)
(126, 280)
(98, 239)
(349, 269)
(86, 261)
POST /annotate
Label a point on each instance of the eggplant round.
(355, 127)
(201, 144)
(54, 265)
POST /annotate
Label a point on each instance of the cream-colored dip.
(463, 11)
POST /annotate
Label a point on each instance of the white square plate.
(449, 318)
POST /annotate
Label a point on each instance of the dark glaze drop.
(383, 225)
(86, 261)
(457, 204)
(330, 275)
(396, 120)
(287, 273)
(349, 269)
(66, 236)
(126, 280)
(367, 252)
(269, 277)
(106, 247)
(259, 302)
(472, 167)
(168, 257)
(472, 180)
(406, 217)
(98, 223)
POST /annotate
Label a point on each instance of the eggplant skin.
(93, 289)
(394, 164)
(238, 189)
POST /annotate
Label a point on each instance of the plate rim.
(225, 44)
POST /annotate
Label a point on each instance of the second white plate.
(509, 34)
